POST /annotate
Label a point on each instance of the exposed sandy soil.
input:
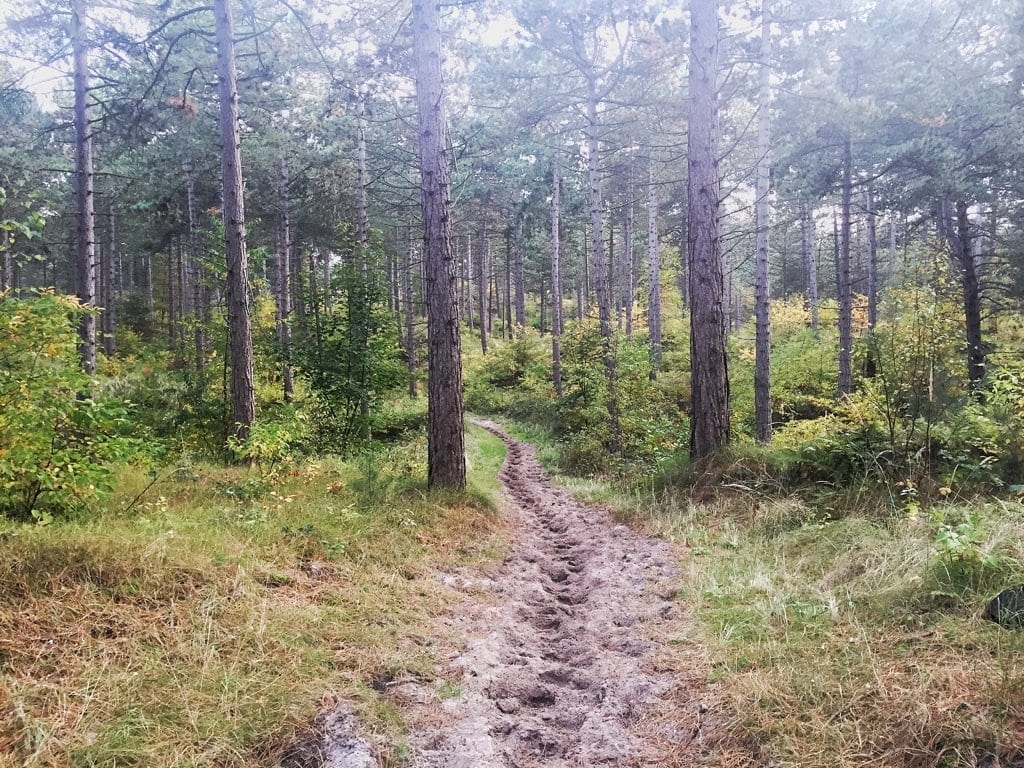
(561, 647)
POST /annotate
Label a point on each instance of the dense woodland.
(755, 268)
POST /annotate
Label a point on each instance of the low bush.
(57, 435)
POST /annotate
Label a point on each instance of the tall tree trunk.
(810, 262)
(870, 365)
(85, 217)
(243, 401)
(363, 295)
(507, 330)
(628, 270)
(653, 275)
(844, 285)
(762, 298)
(518, 278)
(200, 298)
(410, 316)
(964, 252)
(467, 269)
(543, 308)
(483, 283)
(283, 289)
(600, 268)
(684, 263)
(446, 457)
(872, 237)
(116, 275)
(709, 420)
(556, 281)
(585, 304)
(173, 252)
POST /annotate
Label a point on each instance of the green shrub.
(56, 439)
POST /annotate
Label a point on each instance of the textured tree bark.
(446, 459)
(283, 289)
(709, 419)
(684, 264)
(653, 275)
(85, 217)
(600, 268)
(810, 263)
(556, 280)
(843, 284)
(243, 401)
(762, 297)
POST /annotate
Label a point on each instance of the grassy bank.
(853, 642)
(835, 635)
(208, 624)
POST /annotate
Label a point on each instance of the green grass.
(849, 642)
(207, 625)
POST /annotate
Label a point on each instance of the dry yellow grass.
(207, 628)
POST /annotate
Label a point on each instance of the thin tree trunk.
(482, 288)
(363, 295)
(972, 298)
(585, 304)
(709, 421)
(243, 401)
(283, 287)
(85, 218)
(600, 268)
(172, 299)
(518, 278)
(872, 260)
(199, 298)
(653, 276)
(629, 272)
(870, 365)
(446, 458)
(556, 281)
(810, 262)
(762, 299)
(543, 307)
(845, 384)
(410, 317)
(507, 329)
(467, 267)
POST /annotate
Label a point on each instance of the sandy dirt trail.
(558, 666)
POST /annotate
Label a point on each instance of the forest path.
(560, 655)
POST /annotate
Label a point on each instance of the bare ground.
(562, 660)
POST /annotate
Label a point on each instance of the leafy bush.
(515, 379)
(352, 358)
(55, 438)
